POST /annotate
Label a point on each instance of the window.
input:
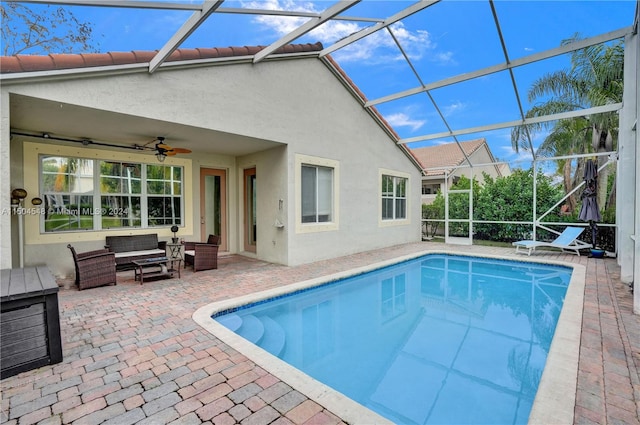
(164, 194)
(121, 194)
(430, 189)
(394, 197)
(87, 194)
(68, 190)
(317, 194)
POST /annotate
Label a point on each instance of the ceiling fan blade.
(146, 145)
(181, 150)
(163, 147)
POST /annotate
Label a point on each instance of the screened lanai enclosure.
(550, 87)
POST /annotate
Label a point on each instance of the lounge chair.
(566, 241)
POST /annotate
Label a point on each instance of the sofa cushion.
(158, 252)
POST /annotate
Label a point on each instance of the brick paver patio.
(133, 354)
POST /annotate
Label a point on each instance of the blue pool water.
(440, 339)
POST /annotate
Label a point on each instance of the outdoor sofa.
(129, 248)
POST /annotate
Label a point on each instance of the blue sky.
(444, 40)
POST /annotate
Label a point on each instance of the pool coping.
(555, 398)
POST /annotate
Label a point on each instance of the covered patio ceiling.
(496, 78)
(59, 121)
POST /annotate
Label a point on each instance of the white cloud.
(453, 108)
(522, 156)
(378, 47)
(403, 120)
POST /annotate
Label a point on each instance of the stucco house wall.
(297, 107)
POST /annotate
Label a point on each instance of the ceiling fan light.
(161, 156)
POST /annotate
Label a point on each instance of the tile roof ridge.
(56, 61)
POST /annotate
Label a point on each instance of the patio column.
(628, 200)
(5, 183)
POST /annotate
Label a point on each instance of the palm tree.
(567, 137)
(595, 78)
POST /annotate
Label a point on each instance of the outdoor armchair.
(202, 256)
(94, 268)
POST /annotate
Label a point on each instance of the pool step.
(260, 330)
(274, 337)
(231, 321)
(252, 328)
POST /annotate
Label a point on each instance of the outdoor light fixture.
(174, 229)
(36, 201)
(18, 194)
(161, 156)
(17, 197)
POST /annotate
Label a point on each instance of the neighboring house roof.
(446, 155)
(31, 63)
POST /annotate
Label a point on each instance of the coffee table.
(163, 268)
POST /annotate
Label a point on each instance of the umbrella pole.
(594, 232)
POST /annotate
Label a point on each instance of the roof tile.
(240, 51)
(10, 63)
(66, 61)
(35, 63)
(224, 52)
(28, 63)
(189, 54)
(143, 55)
(208, 52)
(121, 58)
(445, 155)
(254, 49)
(97, 59)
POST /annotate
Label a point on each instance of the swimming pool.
(460, 305)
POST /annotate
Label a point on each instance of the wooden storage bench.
(29, 320)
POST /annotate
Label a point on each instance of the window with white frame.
(67, 185)
(120, 194)
(430, 189)
(317, 203)
(88, 194)
(394, 197)
(317, 194)
(164, 195)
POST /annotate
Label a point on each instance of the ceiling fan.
(163, 150)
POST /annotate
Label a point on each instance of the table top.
(147, 261)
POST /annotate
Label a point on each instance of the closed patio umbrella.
(589, 211)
